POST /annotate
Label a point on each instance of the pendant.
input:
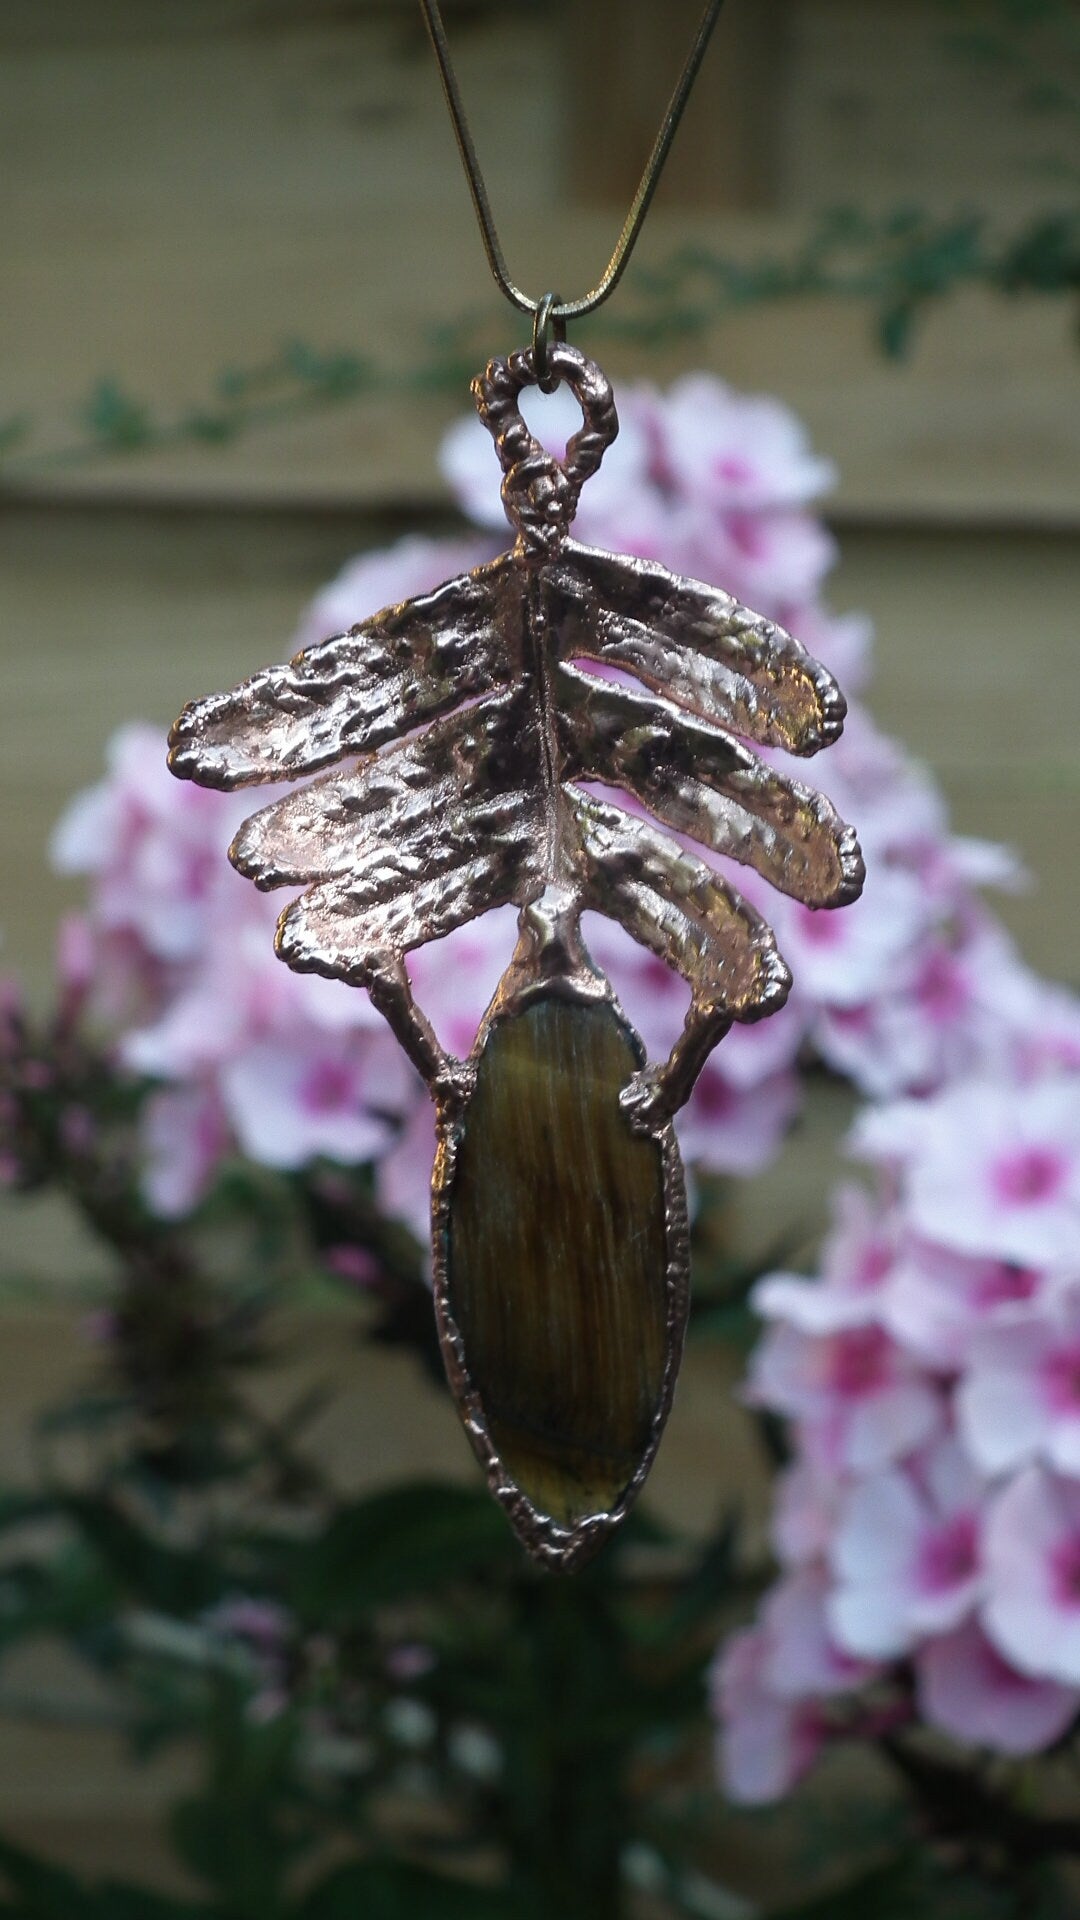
(561, 1257)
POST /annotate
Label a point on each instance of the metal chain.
(562, 311)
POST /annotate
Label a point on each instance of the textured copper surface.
(420, 834)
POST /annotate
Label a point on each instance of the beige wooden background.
(188, 185)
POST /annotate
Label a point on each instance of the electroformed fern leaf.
(467, 721)
(355, 691)
(696, 645)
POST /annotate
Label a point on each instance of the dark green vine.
(900, 265)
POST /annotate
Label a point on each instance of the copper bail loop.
(547, 326)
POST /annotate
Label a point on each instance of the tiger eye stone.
(556, 1256)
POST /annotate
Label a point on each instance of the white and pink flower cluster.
(929, 1527)
(176, 955)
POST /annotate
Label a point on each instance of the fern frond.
(355, 691)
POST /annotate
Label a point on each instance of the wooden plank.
(187, 201)
(881, 109)
(621, 60)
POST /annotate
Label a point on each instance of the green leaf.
(14, 428)
(16, 1507)
(212, 428)
(238, 1833)
(333, 374)
(732, 1326)
(122, 1902)
(901, 1889)
(895, 327)
(173, 1579)
(708, 1585)
(410, 1540)
(116, 417)
(398, 1890)
(70, 1593)
(46, 1892)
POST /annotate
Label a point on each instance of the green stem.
(566, 1808)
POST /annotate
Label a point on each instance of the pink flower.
(805, 1507)
(705, 480)
(767, 560)
(966, 1689)
(857, 1259)
(901, 813)
(409, 1660)
(840, 959)
(1020, 1398)
(765, 1049)
(766, 1743)
(454, 979)
(989, 1168)
(906, 1554)
(1045, 1025)
(937, 1301)
(185, 1137)
(317, 1095)
(738, 452)
(257, 1633)
(802, 1657)
(76, 962)
(863, 1400)
(357, 1265)
(1032, 1551)
(859, 1250)
(726, 1128)
(262, 1624)
(155, 845)
(945, 1003)
(238, 991)
(389, 575)
(403, 1171)
(652, 995)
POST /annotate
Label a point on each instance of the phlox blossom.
(152, 844)
(965, 1689)
(905, 1554)
(186, 1135)
(740, 452)
(1020, 1397)
(804, 1658)
(766, 1742)
(938, 1301)
(403, 1170)
(986, 1171)
(862, 1399)
(931, 1376)
(1032, 1611)
(805, 1507)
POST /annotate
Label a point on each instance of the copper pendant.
(560, 1236)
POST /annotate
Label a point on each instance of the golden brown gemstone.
(557, 1256)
